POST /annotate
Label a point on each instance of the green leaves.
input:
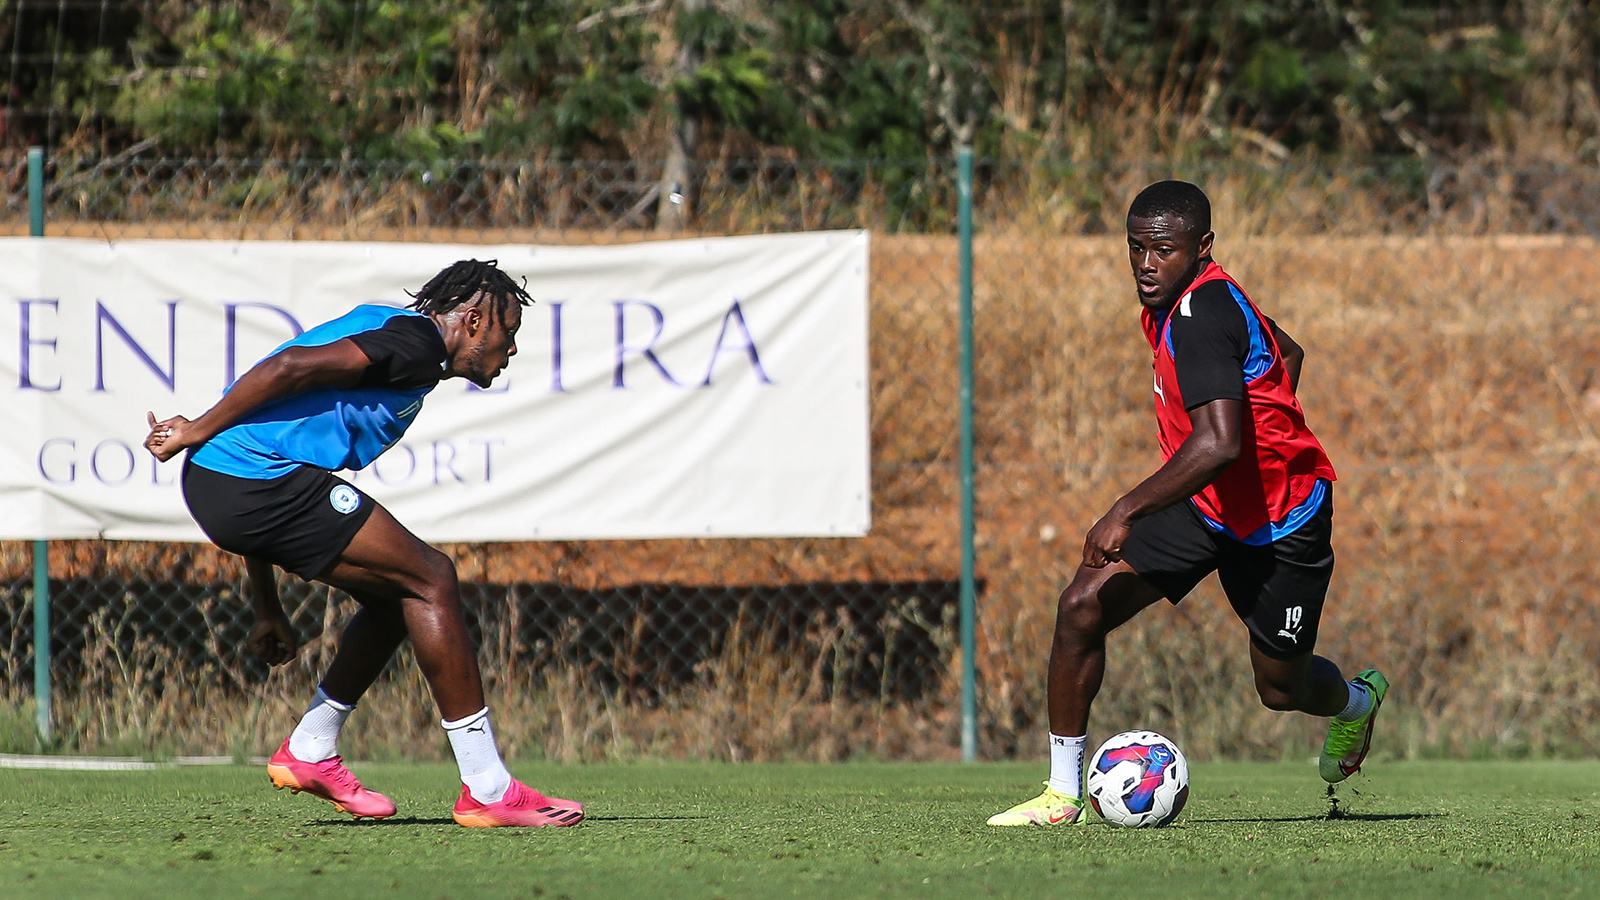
(731, 88)
(414, 79)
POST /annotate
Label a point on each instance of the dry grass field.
(1453, 380)
(1454, 383)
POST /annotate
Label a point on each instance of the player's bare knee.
(1078, 612)
(440, 585)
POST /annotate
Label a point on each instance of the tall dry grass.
(757, 698)
(1453, 379)
(1454, 383)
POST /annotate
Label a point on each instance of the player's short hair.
(461, 282)
(1178, 199)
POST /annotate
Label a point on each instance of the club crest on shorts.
(344, 498)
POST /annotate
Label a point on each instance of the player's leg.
(1303, 683)
(1278, 590)
(1096, 603)
(368, 643)
(1165, 555)
(309, 759)
(365, 648)
(387, 562)
(1314, 685)
(296, 521)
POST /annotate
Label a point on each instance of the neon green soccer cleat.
(1049, 808)
(1347, 742)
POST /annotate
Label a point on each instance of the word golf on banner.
(698, 388)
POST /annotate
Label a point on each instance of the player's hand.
(272, 640)
(1103, 544)
(168, 437)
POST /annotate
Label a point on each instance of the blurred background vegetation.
(1434, 161)
(666, 80)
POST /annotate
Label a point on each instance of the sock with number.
(1066, 764)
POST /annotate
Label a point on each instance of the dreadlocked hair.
(460, 283)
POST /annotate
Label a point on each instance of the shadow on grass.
(443, 820)
(643, 818)
(1342, 817)
(379, 823)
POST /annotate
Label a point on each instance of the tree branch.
(633, 9)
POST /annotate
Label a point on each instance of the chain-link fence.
(853, 622)
(127, 197)
(1453, 370)
(169, 198)
(636, 640)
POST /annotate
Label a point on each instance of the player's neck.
(1200, 267)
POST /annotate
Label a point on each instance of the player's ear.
(1205, 243)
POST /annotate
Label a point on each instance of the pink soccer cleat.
(522, 806)
(329, 780)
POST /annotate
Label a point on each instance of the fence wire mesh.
(127, 197)
(174, 197)
(634, 622)
(1453, 372)
(634, 641)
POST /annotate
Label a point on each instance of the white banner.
(695, 388)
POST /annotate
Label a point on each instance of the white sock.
(317, 736)
(482, 770)
(1360, 702)
(1066, 764)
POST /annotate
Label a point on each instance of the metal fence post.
(41, 549)
(969, 663)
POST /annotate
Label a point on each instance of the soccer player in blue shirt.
(259, 481)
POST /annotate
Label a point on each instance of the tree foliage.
(575, 79)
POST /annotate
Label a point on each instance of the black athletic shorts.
(1277, 589)
(301, 521)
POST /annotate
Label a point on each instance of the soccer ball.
(1138, 779)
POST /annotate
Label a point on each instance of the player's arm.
(1293, 354)
(1213, 446)
(272, 638)
(1210, 341)
(292, 371)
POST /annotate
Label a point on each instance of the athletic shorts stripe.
(1276, 589)
(301, 521)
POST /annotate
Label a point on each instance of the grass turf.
(1420, 829)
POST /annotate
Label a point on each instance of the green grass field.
(1421, 829)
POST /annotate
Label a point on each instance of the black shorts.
(1277, 589)
(301, 521)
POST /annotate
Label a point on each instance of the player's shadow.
(414, 820)
(1342, 817)
(642, 818)
(379, 823)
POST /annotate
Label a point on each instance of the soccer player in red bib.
(1245, 491)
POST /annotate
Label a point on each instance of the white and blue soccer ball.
(1138, 779)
